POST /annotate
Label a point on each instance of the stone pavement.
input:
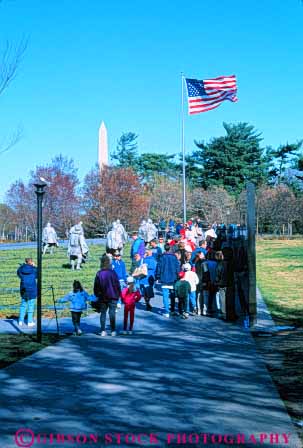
(199, 376)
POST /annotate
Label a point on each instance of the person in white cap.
(193, 280)
(130, 296)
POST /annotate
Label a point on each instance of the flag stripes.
(204, 95)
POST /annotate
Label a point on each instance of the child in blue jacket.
(78, 299)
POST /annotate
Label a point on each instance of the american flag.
(207, 94)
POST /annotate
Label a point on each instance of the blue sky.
(120, 62)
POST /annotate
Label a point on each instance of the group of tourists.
(196, 269)
(192, 272)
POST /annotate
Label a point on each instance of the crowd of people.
(196, 270)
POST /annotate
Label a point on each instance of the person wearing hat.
(182, 289)
(147, 283)
(137, 247)
(193, 280)
(130, 296)
(120, 269)
(161, 243)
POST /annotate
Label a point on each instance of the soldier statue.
(49, 239)
(116, 238)
(151, 231)
(77, 249)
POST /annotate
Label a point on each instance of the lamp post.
(40, 185)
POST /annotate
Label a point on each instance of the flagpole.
(183, 151)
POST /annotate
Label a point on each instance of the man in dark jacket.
(27, 273)
(107, 289)
(202, 272)
(167, 273)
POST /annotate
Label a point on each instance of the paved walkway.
(199, 376)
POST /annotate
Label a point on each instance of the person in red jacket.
(129, 297)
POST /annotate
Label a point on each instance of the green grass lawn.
(280, 278)
(56, 273)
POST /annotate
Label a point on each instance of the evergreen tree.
(126, 153)
(232, 160)
(150, 164)
(193, 169)
(283, 156)
(300, 163)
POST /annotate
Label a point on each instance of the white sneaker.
(103, 333)
(20, 323)
(166, 315)
(79, 332)
(31, 324)
(124, 332)
(114, 333)
(130, 332)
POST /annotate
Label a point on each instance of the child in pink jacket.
(129, 297)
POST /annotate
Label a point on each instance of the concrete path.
(199, 376)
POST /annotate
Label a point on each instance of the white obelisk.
(103, 147)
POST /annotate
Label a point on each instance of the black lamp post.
(40, 185)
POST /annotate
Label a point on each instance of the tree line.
(150, 185)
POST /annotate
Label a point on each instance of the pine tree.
(284, 155)
(232, 160)
(151, 164)
(126, 153)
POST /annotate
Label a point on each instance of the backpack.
(182, 290)
(74, 240)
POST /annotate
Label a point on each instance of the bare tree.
(277, 209)
(214, 204)
(8, 142)
(117, 193)
(10, 59)
(165, 198)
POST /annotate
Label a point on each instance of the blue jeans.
(166, 296)
(191, 301)
(111, 306)
(203, 302)
(30, 306)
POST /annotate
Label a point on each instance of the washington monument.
(103, 147)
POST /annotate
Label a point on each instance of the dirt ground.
(283, 354)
